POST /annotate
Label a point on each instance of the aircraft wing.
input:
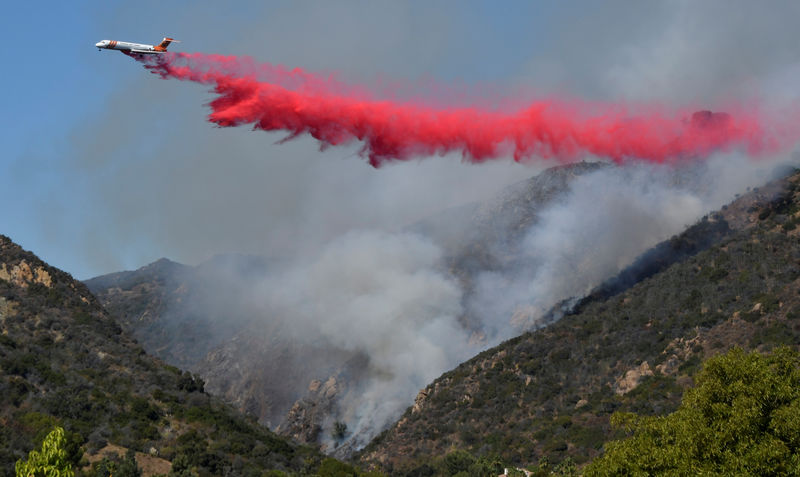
(146, 52)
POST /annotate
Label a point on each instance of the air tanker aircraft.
(135, 48)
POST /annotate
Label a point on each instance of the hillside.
(165, 306)
(634, 344)
(206, 319)
(199, 318)
(64, 360)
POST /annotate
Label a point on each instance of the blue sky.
(107, 167)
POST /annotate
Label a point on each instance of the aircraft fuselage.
(137, 48)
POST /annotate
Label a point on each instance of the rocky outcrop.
(305, 420)
(21, 274)
(628, 382)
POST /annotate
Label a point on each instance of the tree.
(462, 463)
(741, 418)
(128, 467)
(51, 461)
(117, 467)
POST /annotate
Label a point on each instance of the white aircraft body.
(135, 48)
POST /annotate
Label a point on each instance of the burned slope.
(65, 361)
(550, 392)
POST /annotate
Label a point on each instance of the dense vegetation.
(548, 395)
(65, 362)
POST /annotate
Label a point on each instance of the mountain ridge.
(64, 360)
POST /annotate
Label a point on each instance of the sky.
(106, 167)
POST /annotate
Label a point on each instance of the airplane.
(135, 48)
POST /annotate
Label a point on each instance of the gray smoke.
(380, 295)
(605, 221)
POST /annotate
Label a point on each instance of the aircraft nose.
(98, 44)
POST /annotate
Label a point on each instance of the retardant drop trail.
(272, 98)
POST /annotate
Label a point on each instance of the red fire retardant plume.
(273, 98)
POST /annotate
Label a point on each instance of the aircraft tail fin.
(165, 43)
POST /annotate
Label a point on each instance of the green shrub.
(740, 419)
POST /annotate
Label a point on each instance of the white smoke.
(605, 221)
(380, 295)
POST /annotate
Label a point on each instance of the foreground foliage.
(742, 418)
(51, 461)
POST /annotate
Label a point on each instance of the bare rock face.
(632, 378)
(676, 352)
(22, 275)
(305, 420)
(419, 401)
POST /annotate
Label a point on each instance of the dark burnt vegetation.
(549, 394)
(698, 237)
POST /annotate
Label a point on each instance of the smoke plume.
(382, 296)
(272, 98)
